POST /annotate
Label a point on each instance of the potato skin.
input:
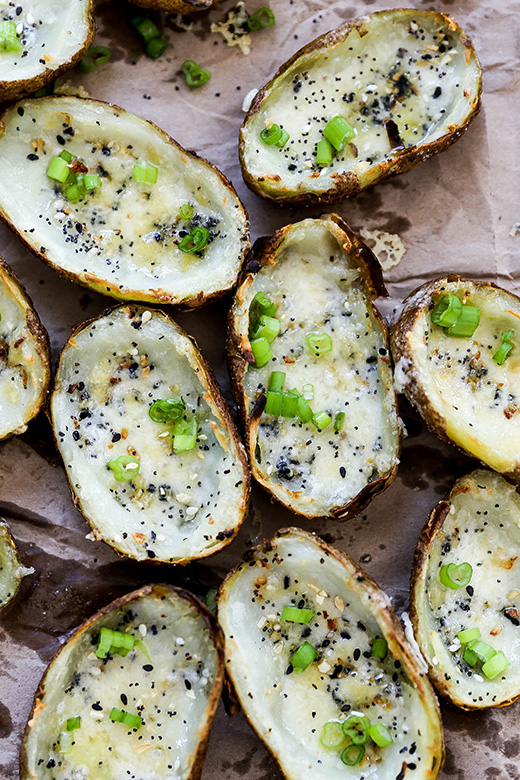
(13, 90)
(38, 333)
(177, 6)
(157, 591)
(348, 184)
(239, 353)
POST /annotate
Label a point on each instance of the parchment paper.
(454, 214)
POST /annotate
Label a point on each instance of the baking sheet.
(455, 213)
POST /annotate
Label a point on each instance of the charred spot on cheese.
(168, 506)
(49, 38)
(321, 279)
(24, 356)
(408, 82)
(478, 523)
(12, 570)
(464, 395)
(122, 238)
(174, 693)
(289, 708)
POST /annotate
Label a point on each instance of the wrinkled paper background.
(454, 214)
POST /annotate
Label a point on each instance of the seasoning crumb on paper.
(388, 247)
(74, 90)
(515, 229)
(234, 28)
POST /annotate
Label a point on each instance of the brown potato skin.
(394, 635)
(158, 591)
(177, 6)
(239, 354)
(105, 287)
(14, 90)
(420, 561)
(220, 403)
(349, 184)
(38, 333)
(400, 349)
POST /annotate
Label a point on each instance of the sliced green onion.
(468, 635)
(265, 304)
(333, 736)
(470, 657)
(156, 47)
(276, 381)
(169, 409)
(266, 326)
(8, 38)
(126, 718)
(308, 392)
(447, 311)
(295, 615)
(380, 735)
(145, 28)
(505, 348)
(467, 323)
(338, 421)
(495, 665)
(273, 403)
(66, 738)
(186, 211)
(114, 642)
(321, 420)
(194, 241)
(353, 754)
(58, 170)
(303, 657)
(303, 410)
(185, 435)
(264, 17)
(68, 157)
(75, 192)
(319, 343)
(323, 152)
(274, 136)
(356, 727)
(92, 181)
(142, 647)
(261, 351)
(44, 91)
(146, 172)
(194, 75)
(96, 55)
(73, 723)
(338, 132)
(290, 403)
(456, 576)
(379, 647)
(482, 650)
(125, 467)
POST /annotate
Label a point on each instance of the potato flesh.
(179, 504)
(126, 232)
(483, 529)
(23, 377)
(52, 31)
(478, 399)
(11, 569)
(315, 293)
(171, 697)
(382, 75)
(289, 709)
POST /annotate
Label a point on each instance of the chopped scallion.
(353, 754)
(194, 241)
(150, 35)
(505, 348)
(356, 727)
(156, 47)
(168, 409)
(338, 421)
(265, 304)
(142, 647)
(323, 152)
(186, 211)
(308, 392)
(482, 650)
(273, 403)
(266, 326)
(274, 136)
(303, 410)
(8, 37)
(58, 170)
(126, 718)
(185, 435)
(73, 723)
(447, 311)
(319, 343)
(276, 381)
(96, 55)
(333, 736)
(290, 403)
(468, 635)
(92, 181)
(467, 323)
(379, 647)
(295, 615)
(321, 420)
(338, 132)
(264, 17)
(66, 738)
(114, 642)
(194, 75)
(380, 735)
(145, 172)
(67, 156)
(125, 467)
(456, 576)
(261, 351)
(469, 656)
(303, 657)
(495, 665)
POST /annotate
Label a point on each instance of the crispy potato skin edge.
(40, 337)
(105, 287)
(239, 355)
(433, 526)
(225, 417)
(348, 184)
(7, 539)
(177, 6)
(380, 606)
(400, 349)
(158, 591)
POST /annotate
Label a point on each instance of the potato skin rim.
(383, 608)
(107, 288)
(177, 6)
(430, 530)
(348, 184)
(216, 636)
(41, 339)
(239, 355)
(223, 409)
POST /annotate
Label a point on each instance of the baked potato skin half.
(24, 356)
(127, 247)
(48, 18)
(179, 507)
(312, 294)
(177, 6)
(107, 749)
(12, 570)
(394, 141)
(478, 523)
(287, 709)
(454, 382)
